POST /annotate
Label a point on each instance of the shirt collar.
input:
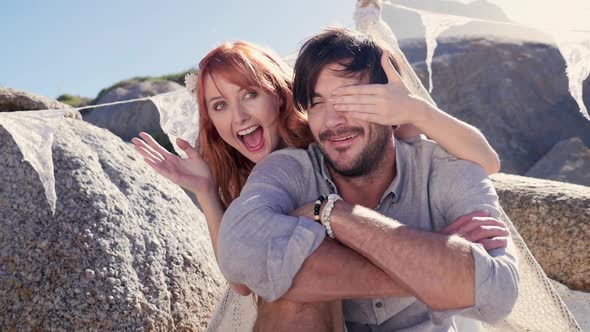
(320, 162)
(396, 186)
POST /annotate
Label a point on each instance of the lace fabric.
(33, 134)
(539, 307)
(179, 117)
(576, 52)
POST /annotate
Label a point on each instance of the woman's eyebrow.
(214, 98)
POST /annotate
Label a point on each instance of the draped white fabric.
(434, 26)
(33, 134)
(179, 117)
(572, 35)
(576, 52)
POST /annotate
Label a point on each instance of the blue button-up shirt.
(261, 246)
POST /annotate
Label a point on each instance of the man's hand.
(479, 227)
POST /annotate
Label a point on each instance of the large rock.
(127, 120)
(568, 161)
(554, 220)
(12, 100)
(515, 92)
(577, 302)
(126, 250)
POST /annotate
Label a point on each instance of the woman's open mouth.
(252, 137)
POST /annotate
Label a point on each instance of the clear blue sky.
(79, 47)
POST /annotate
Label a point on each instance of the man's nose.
(333, 118)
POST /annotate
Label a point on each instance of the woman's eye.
(219, 106)
(251, 94)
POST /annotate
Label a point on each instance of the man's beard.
(369, 158)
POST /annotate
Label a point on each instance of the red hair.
(247, 66)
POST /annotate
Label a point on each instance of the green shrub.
(177, 77)
(75, 101)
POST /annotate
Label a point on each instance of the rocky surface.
(577, 302)
(12, 100)
(515, 92)
(126, 249)
(554, 220)
(568, 161)
(127, 120)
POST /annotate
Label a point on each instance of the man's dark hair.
(357, 52)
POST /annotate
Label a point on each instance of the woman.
(246, 112)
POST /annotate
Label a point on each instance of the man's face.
(352, 147)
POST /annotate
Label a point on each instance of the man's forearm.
(430, 265)
(335, 272)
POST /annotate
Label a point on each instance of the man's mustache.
(340, 132)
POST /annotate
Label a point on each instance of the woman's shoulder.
(288, 161)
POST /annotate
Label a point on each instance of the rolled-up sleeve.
(259, 244)
(496, 287)
(463, 188)
(496, 283)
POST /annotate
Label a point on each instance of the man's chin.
(342, 164)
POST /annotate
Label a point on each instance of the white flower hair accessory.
(190, 82)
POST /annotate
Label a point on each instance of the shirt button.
(379, 304)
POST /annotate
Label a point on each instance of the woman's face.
(245, 118)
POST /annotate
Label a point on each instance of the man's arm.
(445, 272)
(336, 272)
(431, 265)
(264, 248)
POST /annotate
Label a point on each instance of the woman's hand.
(479, 227)
(386, 104)
(192, 173)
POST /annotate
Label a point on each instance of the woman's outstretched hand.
(191, 173)
(385, 104)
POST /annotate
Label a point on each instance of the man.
(388, 265)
